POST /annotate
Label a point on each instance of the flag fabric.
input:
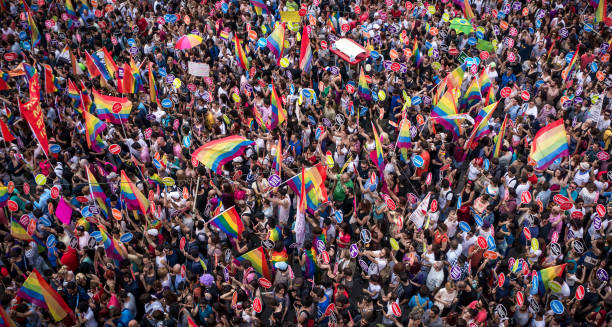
(97, 58)
(500, 138)
(472, 95)
(97, 193)
(567, 71)
(276, 41)
(259, 119)
(110, 64)
(418, 59)
(258, 260)
(131, 195)
(51, 84)
(63, 211)
(153, 98)
(240, 55)
(467, 10)
(305, 52)
(86, 99)
(441, 87)
(447, 106)
(314, 191)
(94, 128)
(404, 140)
(190, 321)
(310, 266)
(4, 197)
(217, 153)
(549, 143)
(34, 33)
(490, 97)
(229, 222)
(278, 160)
(7, 136)
(278, 114)
(380, 161)
(113, 249)
(104, 107)
(125, 84)
(481, 123)
(302, 194)
(19, 232)
(363, 88)
(455, 78)
(74, 64)
(544, 277)
(484, 81)
(260, 7)
(280, 256)
(92, 67)
(600, 13)
(70, 9)
(330, 23)
(3, 81)
(5, 319)
(37, 291)
(275, 234)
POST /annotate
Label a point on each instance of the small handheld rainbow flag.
(258, 260)
(5, 319)
(472, 95)
(404, 140)
(600, 13)
(35, 34)
(229, 222)
(131, 195)
(3, 81)
(94, 128)
(92, 66)
(37, 291)
(51, 84)
(455, 78)
(217, 153)
(418, 59)
(113, 249)
(380, 161)
(310, 266)
(481, 123)
(126, 84)
(363, 88)
(278, 160)
(276, 42)
(305, 52)
(567, 71)
(70, 9)
(97, 193)
(549, 143)
(275, 234)
(544, 277)
(278, 115)
(484, 81)
(314, 186)
(240, 55)
(500, 138)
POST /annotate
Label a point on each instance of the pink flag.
(63, 211)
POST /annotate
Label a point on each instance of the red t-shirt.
(70, 259)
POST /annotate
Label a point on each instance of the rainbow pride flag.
(305, 52)
(447, 106)
(380, 161)
(275, 234)
(441, 87)
(92, 66)
(302, 194)
(279, 256)
(5, 319)
(544, 277)
(484, 81)
(500, 138)
(240, 55)
(51, 83)
(467, 10)
(257, 258)
(481, 123)
(310, 266)
(276, 41)
(600, 13)
(217, 153)
(314, 186)
(418, 59)
(229, 222)
(363, 88)
(404, 140)
(97, 193)
(97, 59)
(3, 81)
(490, 98)
(278, 114)
(565, 74)
(472, 96)
(70, 9)
(260, 7)
(549, 143)
(454, 79)
(131, 195)
(138, 82)
(19, 232)
(37, 291)
(259, 119)
(109, 63)
(113, 249)
(152, 87)
(278, 160)
(34, 33)
(126, 84)
(94, 128)
(4, 197)
(104, 107)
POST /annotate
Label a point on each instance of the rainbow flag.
(3, 78)
(152, 87)
(500, 138)
(92, 66)
(240, 55)
(257, 257)
(330, 23)
(218, 208)
(278, 114)
(138, 82)
(229, 222)
(35, 34)
(87, 102)
(19, 232)
(380, 161)
(544, 277)
(260, 7)
(97, 60)
(275, 234)
(549, 143)
(305, 52)
(490, 98)
(279, 256)
(37, 291)
(314, 186)
(600, 13)
(404, 140)
(94, 128)
(109, 63)
(4, 197)
(51, 84)
(97, 193)
(484, 81)
(278, 160)
(302, 194)
(104, 107)
(481, 123)
(276, 42)
(113, 249)
(131, 195)
(447, 106)
(472, 95)
(155, 180)
(418, 59)
(467, 10)
(74, 94)
(363, 88)
(259, 119)
(217, 153)
(126, 84)
(566, 72)
(310, 266)
(70, 9)
(455, 78)
(5, 319)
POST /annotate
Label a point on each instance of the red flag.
(6, 134)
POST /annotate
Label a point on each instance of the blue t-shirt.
(321, 306)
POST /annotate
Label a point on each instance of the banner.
(198, 69)
(418, 215)
(290, 16)
(32, 113)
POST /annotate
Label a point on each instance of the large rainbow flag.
(104, 107)
(544, 277)
(37, 291)
(217, 153)
(447, 106)
(240, 54)
(131, 195)
(305, 52)
(278, 114)
(276, 42)
(229, 222)
(314, 186)
(549, 143)
(94, 127)
(97, 193)
(257, 258)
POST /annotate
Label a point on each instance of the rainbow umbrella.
(188, 41)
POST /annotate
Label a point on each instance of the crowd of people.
(453, 155)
